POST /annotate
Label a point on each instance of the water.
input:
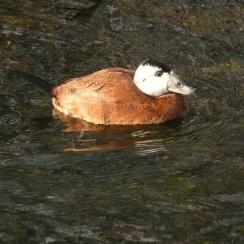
(63, 181)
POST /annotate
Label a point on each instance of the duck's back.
(109, 96)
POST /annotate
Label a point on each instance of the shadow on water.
(68, 181)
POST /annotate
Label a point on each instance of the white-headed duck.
(150, 95)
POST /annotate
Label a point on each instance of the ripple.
(63, 181)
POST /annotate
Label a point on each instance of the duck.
(151, 94)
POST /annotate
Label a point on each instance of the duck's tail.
(39, 82)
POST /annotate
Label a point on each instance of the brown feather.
(109, 96)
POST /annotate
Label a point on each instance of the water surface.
(67, 182)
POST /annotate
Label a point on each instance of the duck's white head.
(155, 79)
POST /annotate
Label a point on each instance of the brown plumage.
(109, 96)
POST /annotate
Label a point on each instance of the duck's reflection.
(92, 138)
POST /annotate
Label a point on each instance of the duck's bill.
(184, 90)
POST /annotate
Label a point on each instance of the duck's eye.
(178, 83)
(158, 73)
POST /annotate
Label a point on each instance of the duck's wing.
(97, 96)
(112, 83)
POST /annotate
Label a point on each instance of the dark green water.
(64, 182)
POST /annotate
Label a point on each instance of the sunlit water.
(62, 181)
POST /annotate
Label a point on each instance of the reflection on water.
(137, 137)
(68, 181)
